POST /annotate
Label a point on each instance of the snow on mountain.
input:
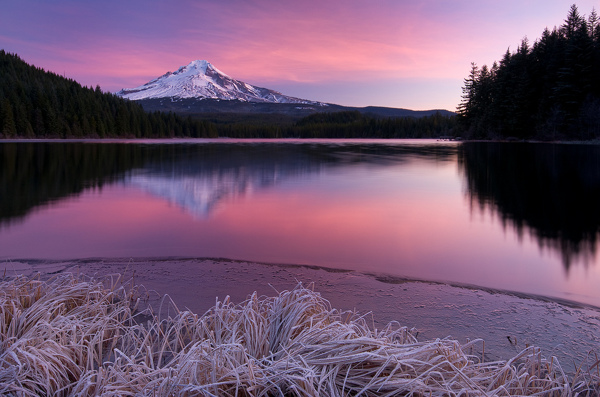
(200, 79)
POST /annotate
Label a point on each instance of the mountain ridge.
(202, 80)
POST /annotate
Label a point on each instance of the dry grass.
(71, 336)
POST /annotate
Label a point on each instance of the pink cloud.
(336, 41)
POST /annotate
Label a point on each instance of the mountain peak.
(198, 67)
(200, 79)
(199, 63)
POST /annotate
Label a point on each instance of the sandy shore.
(506, 322)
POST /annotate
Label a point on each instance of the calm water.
(518, 217)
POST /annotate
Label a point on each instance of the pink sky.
(398, 53)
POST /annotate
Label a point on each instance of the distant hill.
(399, 112)
(200, 107)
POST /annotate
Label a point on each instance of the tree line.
(35, 103)
(348, 124)
(548, 90)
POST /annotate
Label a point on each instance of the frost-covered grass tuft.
(71, 336)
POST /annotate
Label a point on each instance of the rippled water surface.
(511, 216)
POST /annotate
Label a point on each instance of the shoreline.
(381, 277)
(594, 141)
(506, 322)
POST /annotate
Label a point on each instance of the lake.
(520, 217)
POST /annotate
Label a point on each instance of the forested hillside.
(350, 124)
(548, 90)
(39, 104)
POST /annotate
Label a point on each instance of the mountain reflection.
(199, 177)
(194, 176)
(550, 191)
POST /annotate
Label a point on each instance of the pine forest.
(549, 90)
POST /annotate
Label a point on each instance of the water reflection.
(195, 177)
(391, 207)
(551, 192)
(199, 177)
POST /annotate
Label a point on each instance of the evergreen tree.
(467, 108)
(9, 128)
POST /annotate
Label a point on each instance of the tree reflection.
(550, 191)
(37, 174)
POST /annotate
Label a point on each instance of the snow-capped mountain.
(201, 80)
